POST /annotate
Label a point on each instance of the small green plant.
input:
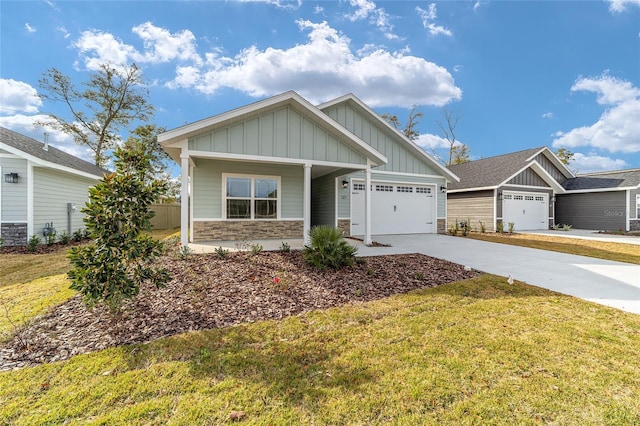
(464, 227)
(184, 252)
(566, 227)
(512, 227)
(78, 235)
(483, 228)
(500, 227)
(222, 252)
(371, 272)
(453, 229)
(328, 248)
(555, 227)
(285, 247)
(256, 248)
(419, 276)
(50, 238)
(33, 243)
(1, 242)
(65, 238)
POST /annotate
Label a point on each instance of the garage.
(396, 208)
(527, 210)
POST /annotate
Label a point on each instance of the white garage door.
(395, 208)
(527, 210)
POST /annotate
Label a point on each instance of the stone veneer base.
(14, 234)
(234, 230)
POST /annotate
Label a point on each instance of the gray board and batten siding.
(594, 210)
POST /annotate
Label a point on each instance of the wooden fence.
(167, 216)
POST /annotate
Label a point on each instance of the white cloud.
(618, 128)
(428, 17)
(30, 28)
(621, 5)
(595, 163)
(17, 96)
(64, 31)
(376, 15)
(430, 142)
(547, 115)
(457, 68)
(318, 10)
(323, 68)
(160, 46)
(281, 4)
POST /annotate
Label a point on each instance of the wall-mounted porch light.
(553, 199)
(345, 184)
(500, 195)
(443, 189)
(11, 178)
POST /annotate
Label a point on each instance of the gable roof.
(408, 143)
(33, 150)
(291, 98)
(492, 172)
(620, 179)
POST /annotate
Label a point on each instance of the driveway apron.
(605, 282)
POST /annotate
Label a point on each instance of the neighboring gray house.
(274, 168)
(602, 201)
(40, 185)
(519, 187)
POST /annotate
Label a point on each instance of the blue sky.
(519, 74)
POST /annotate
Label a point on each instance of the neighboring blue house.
(274, 168)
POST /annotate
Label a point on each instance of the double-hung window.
(251, 197)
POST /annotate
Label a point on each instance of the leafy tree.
(460, 154)
(111, 100)
(409, 129)
(447, 130)
(564, 155)
(117, 214)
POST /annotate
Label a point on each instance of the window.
(358, 186)
(384, 188)
(539, 198)
(423, 190)
(404, 189)
(252, 197)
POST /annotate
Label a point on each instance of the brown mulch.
(212, 292)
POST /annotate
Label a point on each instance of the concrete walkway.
(609, 283)
(585, 234)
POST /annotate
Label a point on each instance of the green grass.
(474, 352)
(620, 252)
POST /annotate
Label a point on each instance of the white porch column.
(367, 204)
(307, 203)
(184, 199)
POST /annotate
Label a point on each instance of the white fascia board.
(555, 160)
(291, 97)
(35, 161)
(396, 132)
(275, 160)
(586, 191)
(541, 172)
(479, 188)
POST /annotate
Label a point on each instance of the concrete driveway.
(609, 283)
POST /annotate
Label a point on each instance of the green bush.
(65, 238)
(33, 243)
(285, 247)
(222, 252)
(500, 227)
(328, 249)
(116, 217)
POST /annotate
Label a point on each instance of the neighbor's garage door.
(527, 210)
(395, 209)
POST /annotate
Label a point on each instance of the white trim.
(13, 221)
(190, 197)
(306, 207)
(184, 195)
(30, 191)
(495, 210)
(275, 160)
(278, 199)
(367, 206)
(526, 187)
(480, 188)
(584, 191)
(1, 183)
(555, 160)
(217, 219)
(12, 156)
(336, 189)
(44, 163)
(434, 184)
(440, 177)
(544, 175)
(627, 196)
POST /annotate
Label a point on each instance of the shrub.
(116, 216)
(50, 238)
(464, 227)
(256, 248)
(512, 227)
(65, 238)
(222, 252)
(500, 227)
(453, 229)
(78, 235)
(555, 227)
(566, 227)
(328, 248)
(32, 244)
(483, 229)
(1, 242)
(184, 252)
(285, 247)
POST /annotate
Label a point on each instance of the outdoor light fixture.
(443, 189)
(345, 184)
(500, 195)
(11, 178)
(553, 199)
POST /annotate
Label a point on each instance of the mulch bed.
(208, 291)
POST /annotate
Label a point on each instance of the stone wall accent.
(236, 230)
(14, 234)
(442, 226)
(345, 226)
(634, 225)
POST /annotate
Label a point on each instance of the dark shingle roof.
(53, 155)
(492, 171)
(616, 179)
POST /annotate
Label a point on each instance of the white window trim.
(252, 177)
